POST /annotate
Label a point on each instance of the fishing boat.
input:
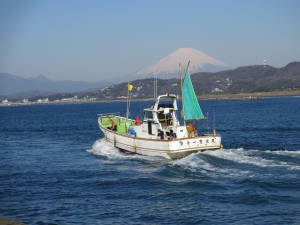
(159, 132)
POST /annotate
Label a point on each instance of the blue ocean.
(56, 168)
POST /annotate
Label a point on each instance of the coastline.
(249, 96)
(220, 96)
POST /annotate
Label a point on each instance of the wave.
(229, 163)
(241, 163)
(106, 149)
(252, 157)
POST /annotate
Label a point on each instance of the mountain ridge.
(247, 78)
(40, 78)
(12, 84)
(240, 80)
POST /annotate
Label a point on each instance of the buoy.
(221, 147)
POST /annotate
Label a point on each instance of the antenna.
(155, 83)
(214, 123)
(264, 63)
(128, 102)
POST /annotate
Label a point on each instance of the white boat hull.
(170, 149)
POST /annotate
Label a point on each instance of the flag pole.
(127, 111)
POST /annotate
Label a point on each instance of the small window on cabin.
(148, 115)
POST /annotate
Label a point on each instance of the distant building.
(217, 90)
(264, 63)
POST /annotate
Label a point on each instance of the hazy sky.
(98, 40)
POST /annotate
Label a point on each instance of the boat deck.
(106, 121)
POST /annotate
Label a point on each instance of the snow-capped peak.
(199, 62)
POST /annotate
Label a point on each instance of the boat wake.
(240, 162)
(229, 163)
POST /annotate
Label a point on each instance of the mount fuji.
(168, 67)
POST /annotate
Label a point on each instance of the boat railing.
(109, 114)
(114, 122)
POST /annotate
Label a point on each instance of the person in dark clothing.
(160, 134)
(172, 135)
(115, 128)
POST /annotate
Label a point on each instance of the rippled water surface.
(56, 168)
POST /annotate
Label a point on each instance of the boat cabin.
(161, 118)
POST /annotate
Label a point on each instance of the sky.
(96, 40)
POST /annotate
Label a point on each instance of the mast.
(181, 85)
(187, 68)
(182, 92)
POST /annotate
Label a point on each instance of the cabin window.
(148, 115)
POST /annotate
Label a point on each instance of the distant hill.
(248, 78)
(12, 84)
(167, 67)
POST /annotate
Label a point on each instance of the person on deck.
(132, 132)
(160, 134)
(161, 117)
(172, 135)
(113, 126)
(191, 129)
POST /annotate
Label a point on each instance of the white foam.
(215, 167)
(209, 163)
(106, 149)
(251, 157)
(198, 164)
(295, 154)
(102, 148)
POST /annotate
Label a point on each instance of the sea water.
(56, 168)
